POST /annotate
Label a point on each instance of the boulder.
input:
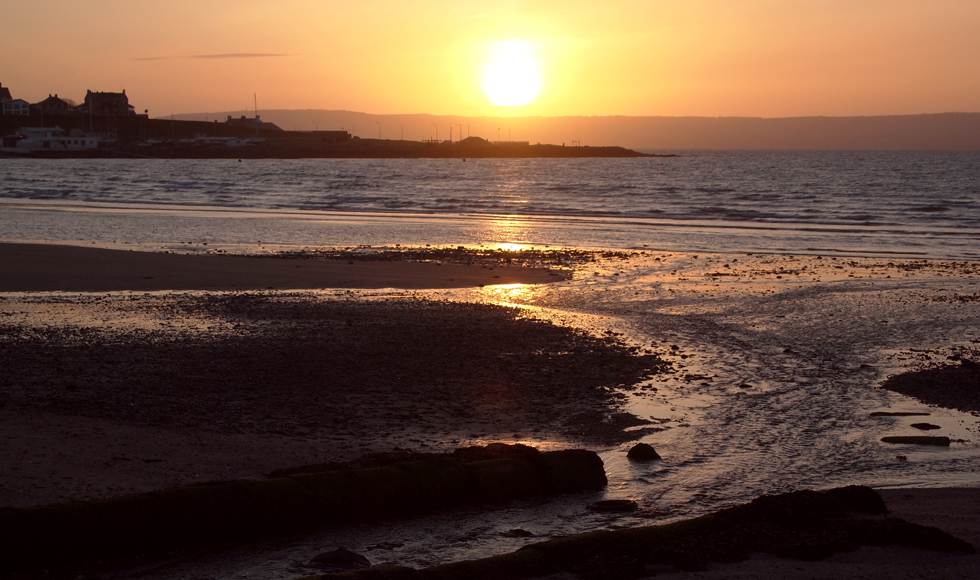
(339, 560)
(643, 452)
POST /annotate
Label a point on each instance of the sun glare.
(511, 75)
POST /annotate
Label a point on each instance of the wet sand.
(41, 268)
(62, 446)
(107, 395)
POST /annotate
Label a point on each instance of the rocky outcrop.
(806, 525)
(225, 511)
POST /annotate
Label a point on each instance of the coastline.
(300, 146)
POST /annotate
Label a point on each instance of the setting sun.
(511, 75)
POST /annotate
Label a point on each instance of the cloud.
(240, 55)
(226, 55)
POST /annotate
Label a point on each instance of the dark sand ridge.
(42, 267)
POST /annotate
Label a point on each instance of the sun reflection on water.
(508, 228)
(508, 295)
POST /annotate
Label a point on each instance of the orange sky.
(768, 58)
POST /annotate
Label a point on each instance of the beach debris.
(614, 505)
(925, 426)
(898, 414)
(643, 452)
(339, 560)
(902, 457)
(517, 533)
(917, 440)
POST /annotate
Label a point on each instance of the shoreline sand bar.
(52, 268)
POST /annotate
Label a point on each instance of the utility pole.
(379, 129)
(255, 102)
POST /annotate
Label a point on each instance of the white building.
(53, 139)
(16, 108)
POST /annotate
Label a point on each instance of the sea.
(776, 380)
(870, 203)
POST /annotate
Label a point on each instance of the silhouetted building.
(106, 105)
(54, 106)
(5, 94)
(255, 124)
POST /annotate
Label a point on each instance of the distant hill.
(945, 131)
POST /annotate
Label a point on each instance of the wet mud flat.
(151, 391)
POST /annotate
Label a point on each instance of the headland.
(105, 125)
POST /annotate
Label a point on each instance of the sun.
(511, 75)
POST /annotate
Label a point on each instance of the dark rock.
(614, 505)
(925, 426)
(918, 440)
(898, 414)
(806, 525)
(947, 385)
(339, 560)
(643, 452)
(517, 533)
(857, 498)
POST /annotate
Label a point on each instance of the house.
(5, 94)
(106, 105)
(54, 106)
(16, 108)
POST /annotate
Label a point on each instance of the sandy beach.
(274, 378)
